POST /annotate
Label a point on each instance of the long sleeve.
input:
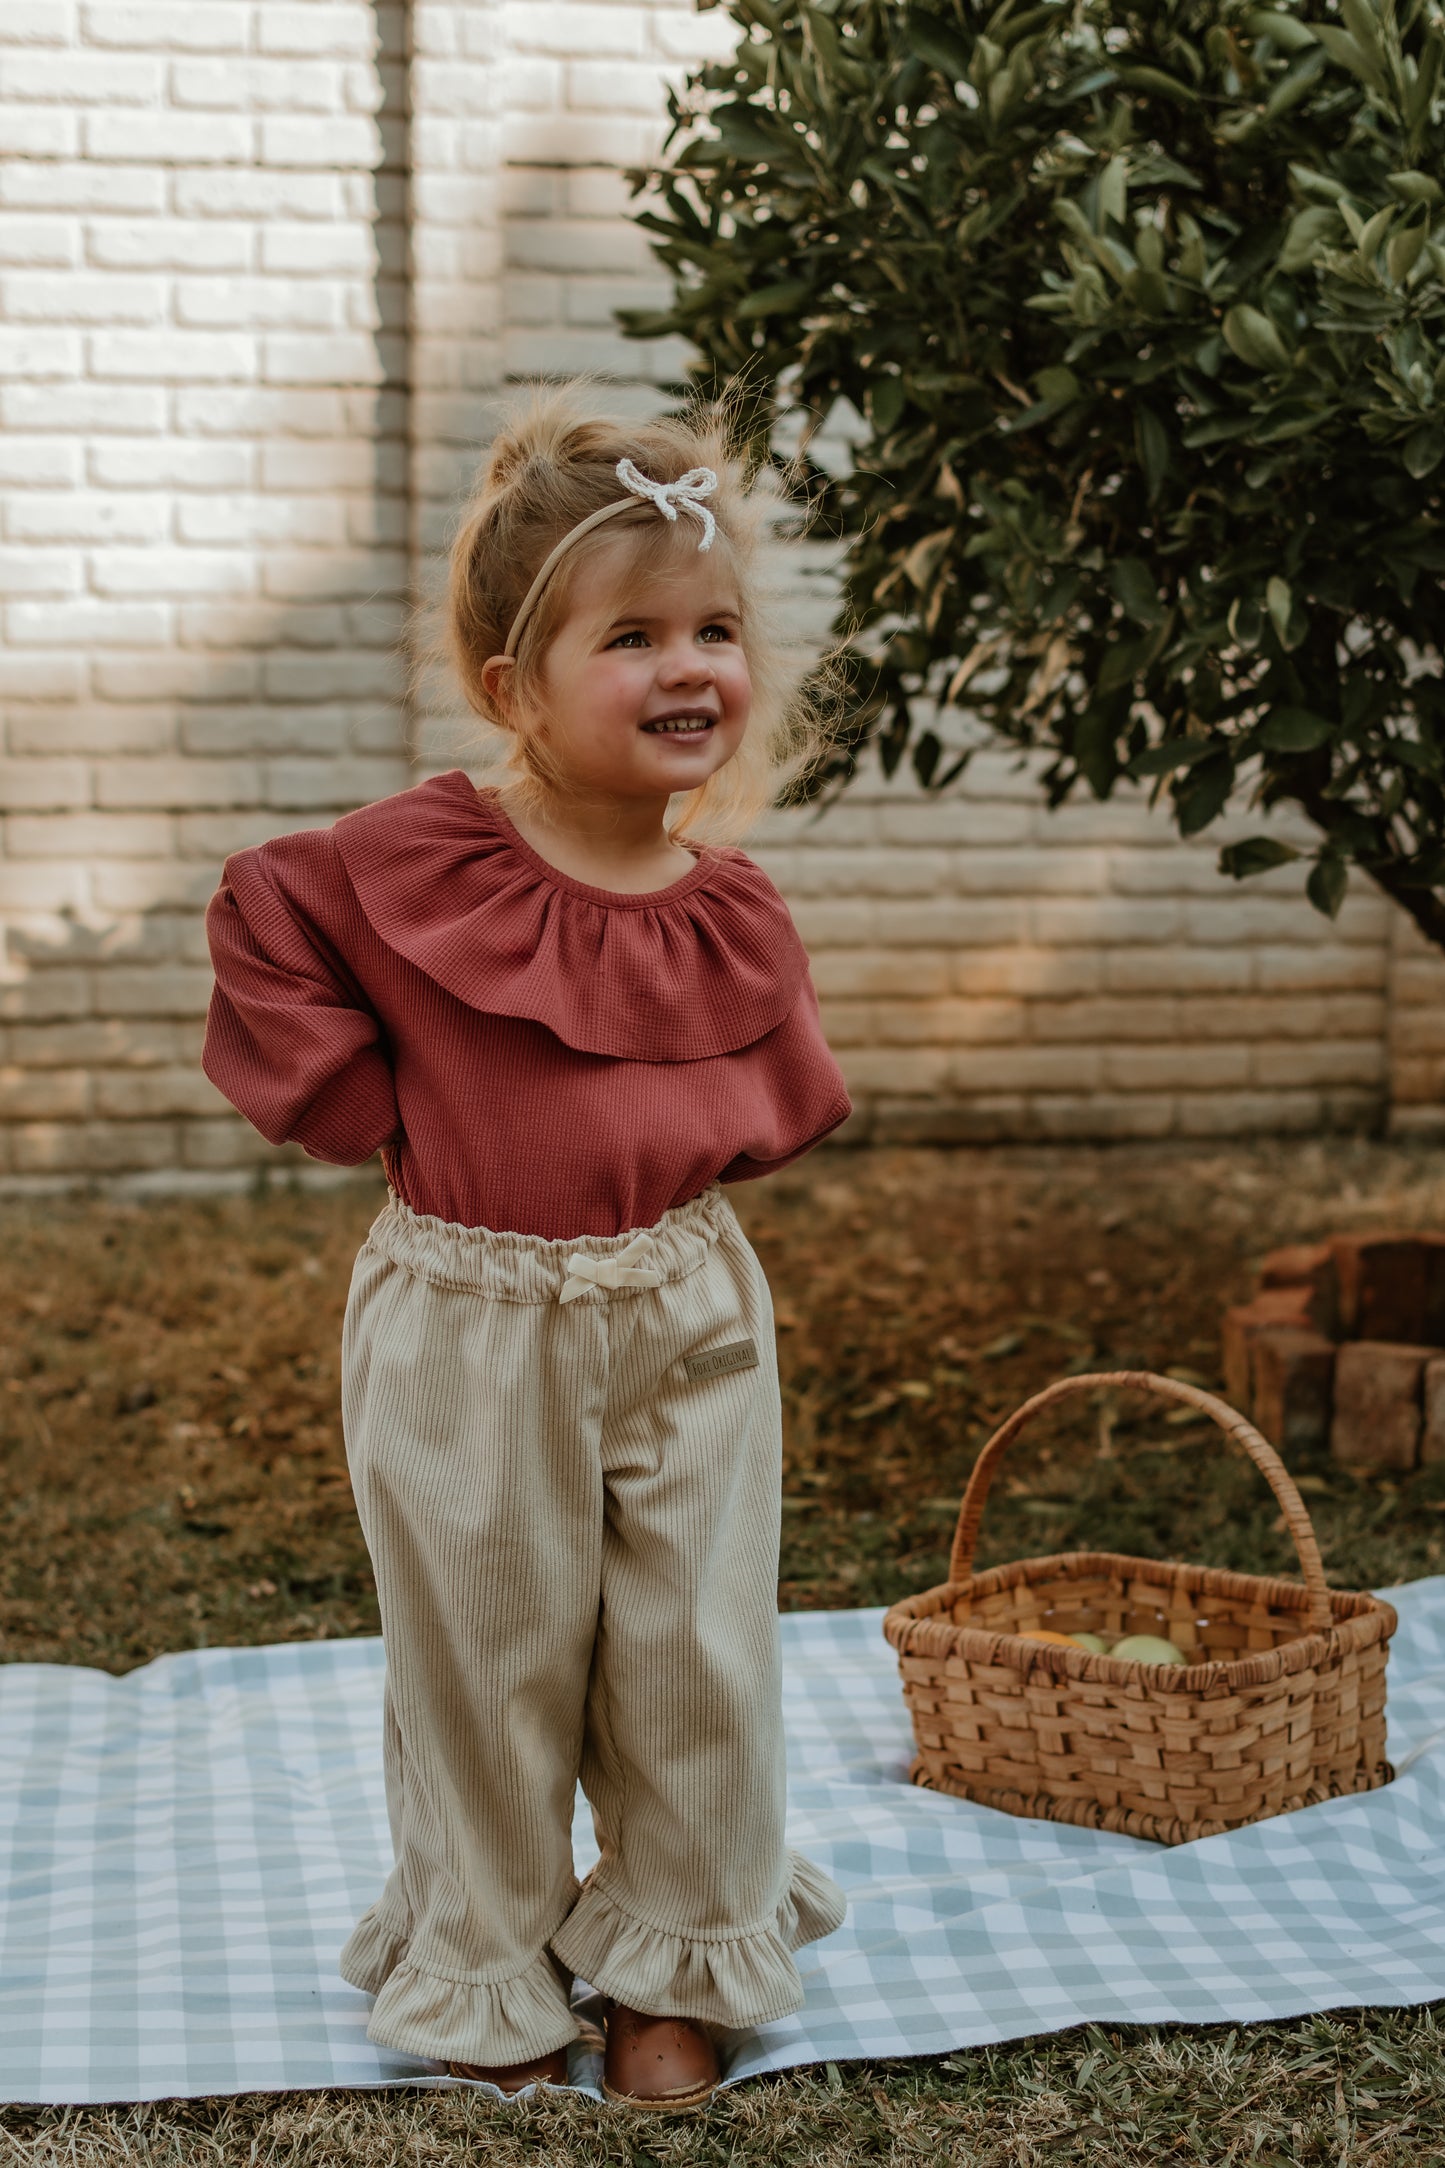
(797, 1094)
(290, 1039)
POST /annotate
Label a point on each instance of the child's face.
(636, 653)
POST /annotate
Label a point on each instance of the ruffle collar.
(702, 967)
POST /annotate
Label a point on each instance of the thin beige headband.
(670, 498)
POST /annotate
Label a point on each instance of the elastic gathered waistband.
(529, 1268)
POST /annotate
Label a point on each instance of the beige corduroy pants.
(566, 1459)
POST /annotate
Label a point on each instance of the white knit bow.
(684, 495)
(624, 1270)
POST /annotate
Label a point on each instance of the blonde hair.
(554, 464)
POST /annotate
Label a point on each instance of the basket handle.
(1233, 1424)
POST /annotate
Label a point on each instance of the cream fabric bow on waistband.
(626, 1269)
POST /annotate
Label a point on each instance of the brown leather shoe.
(663, 2063)
(512, 2077)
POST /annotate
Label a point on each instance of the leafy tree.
(1141, 302)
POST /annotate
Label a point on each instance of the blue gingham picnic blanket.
(185, 1850)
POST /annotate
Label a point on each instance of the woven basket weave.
(1281, 1705)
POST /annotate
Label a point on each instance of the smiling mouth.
(680, 725)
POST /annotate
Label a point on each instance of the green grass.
(1358, 2091)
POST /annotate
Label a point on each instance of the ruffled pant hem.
(444, 2020)
(729, 1980)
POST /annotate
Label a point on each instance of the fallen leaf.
(875, 1406)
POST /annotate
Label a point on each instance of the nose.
(685, 663)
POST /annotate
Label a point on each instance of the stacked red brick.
(1345, 1340)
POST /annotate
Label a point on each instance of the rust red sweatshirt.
(527, 1052)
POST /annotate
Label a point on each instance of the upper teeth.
(681, 722)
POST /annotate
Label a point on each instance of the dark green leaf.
(1250, 334)
(1133, 583)
(1310, 230)
(1347, 52)
(1329, 878)
(1162, 85)
(1287, 31)
(647, 323)
(925, 757)
(1424, 449)
(1096, 748)
(1427, 80)
(1057, 386)
(1203, 794)
(1294, 730)
(1295, 84)
(1175, 754)
(934, 42)
(1257, 854)
(1424, 759)
(746, 134)
(1123, 660)
(1152, 441)
(886, 399)
(783, 298)
(1415, 187)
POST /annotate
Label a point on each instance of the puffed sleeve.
(290, 1038)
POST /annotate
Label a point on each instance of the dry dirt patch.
(173, 1467)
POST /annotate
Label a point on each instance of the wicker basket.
(1283, 1705)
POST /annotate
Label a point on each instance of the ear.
(497, 682)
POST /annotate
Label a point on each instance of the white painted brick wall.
(1093, 979)
(263, 273)
(203, 558)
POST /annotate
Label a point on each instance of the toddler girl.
(565, 1027)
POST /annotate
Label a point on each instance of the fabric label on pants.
(737, 1355)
